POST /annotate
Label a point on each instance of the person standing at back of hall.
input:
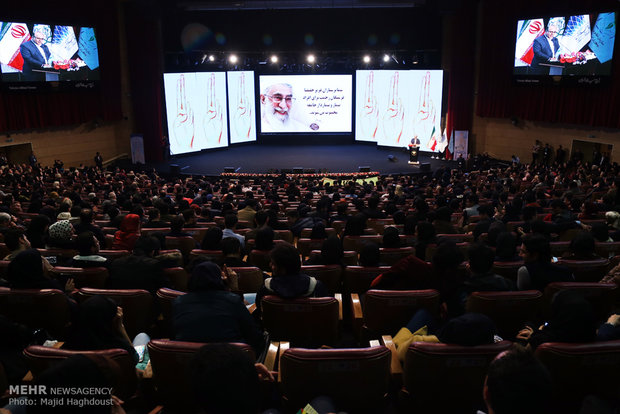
(99, 161)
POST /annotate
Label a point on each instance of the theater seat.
(356, 379)
(178, 278)
(391, 256)
(586, 270)
(260, 259)
(184, 244)
(91, 277)
(305, 246)
(212, 255)
(578, 370)
(307, 322)
(250, 278)
(386, 311)
(137, 306)
(602, 296)
(329, 275)
(46, 309)
(165, 297)
(509, 270)
(40, 358)
(170, 362)
(357, 279)
(509, 310)
(445, 378)
(349, 258)
(357, 242)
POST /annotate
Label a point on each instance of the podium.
(413, 154)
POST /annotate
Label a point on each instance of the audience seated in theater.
(412, 273)
(469, 329)
(86, 224)
(538, 270)
(485, 214)
(230, 224)
(231, 249)
(37, 231)
(506, 247)
(355, 225)
(331, 253)
(442, 222)
(391, 238)
(424, 235)
(60, 235)
(261, 218)
(88, 246)
(572, 320)
(212, 239)
(613, 224)
(226, 380)
(209, 312)
(189, 217)
(140, 270)
(15, 337)
(373, 210)
(318, 231)
(155, 220)
(126, 237)
(600, 233)
(78, 372)
(26, 271)
(248, 211)
(370, 255)
(287, 281)
(99, 325)
(516, 377)
(264, 239)
(582, 247)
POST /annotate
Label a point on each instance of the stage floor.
(261, 158)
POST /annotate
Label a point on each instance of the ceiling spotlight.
(310, 58)
(211, 58)
(386, 58)
(366, 59)
(232, 59)
(274, 59)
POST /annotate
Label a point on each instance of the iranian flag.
(527, 31)
(12, 35)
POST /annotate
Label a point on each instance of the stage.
(261, 158)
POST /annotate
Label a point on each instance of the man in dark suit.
(35, 54)
(545, 48)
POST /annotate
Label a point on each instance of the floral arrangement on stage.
(576, 58)
(319, 175)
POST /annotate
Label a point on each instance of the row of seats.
(435, 377)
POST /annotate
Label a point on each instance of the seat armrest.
(283, 347)
(157, 410)
(338, 297)
(396, 367)
(357, 315)
(272, 354)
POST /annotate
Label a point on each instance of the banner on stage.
(461, 139)
(137, 149)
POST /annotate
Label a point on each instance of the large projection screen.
(196, 111)
(394, 106)
(241, 106)
(305, 103)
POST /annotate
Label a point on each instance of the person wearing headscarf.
(126, 237)
(210, 313)
(60, 235)
(332, 253)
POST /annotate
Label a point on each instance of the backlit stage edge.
(307, 159)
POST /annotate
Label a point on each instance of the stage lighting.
(211, 58)
(232, 59)
(366, 59)
(310, 59)
(274, 59)
(386, 58)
